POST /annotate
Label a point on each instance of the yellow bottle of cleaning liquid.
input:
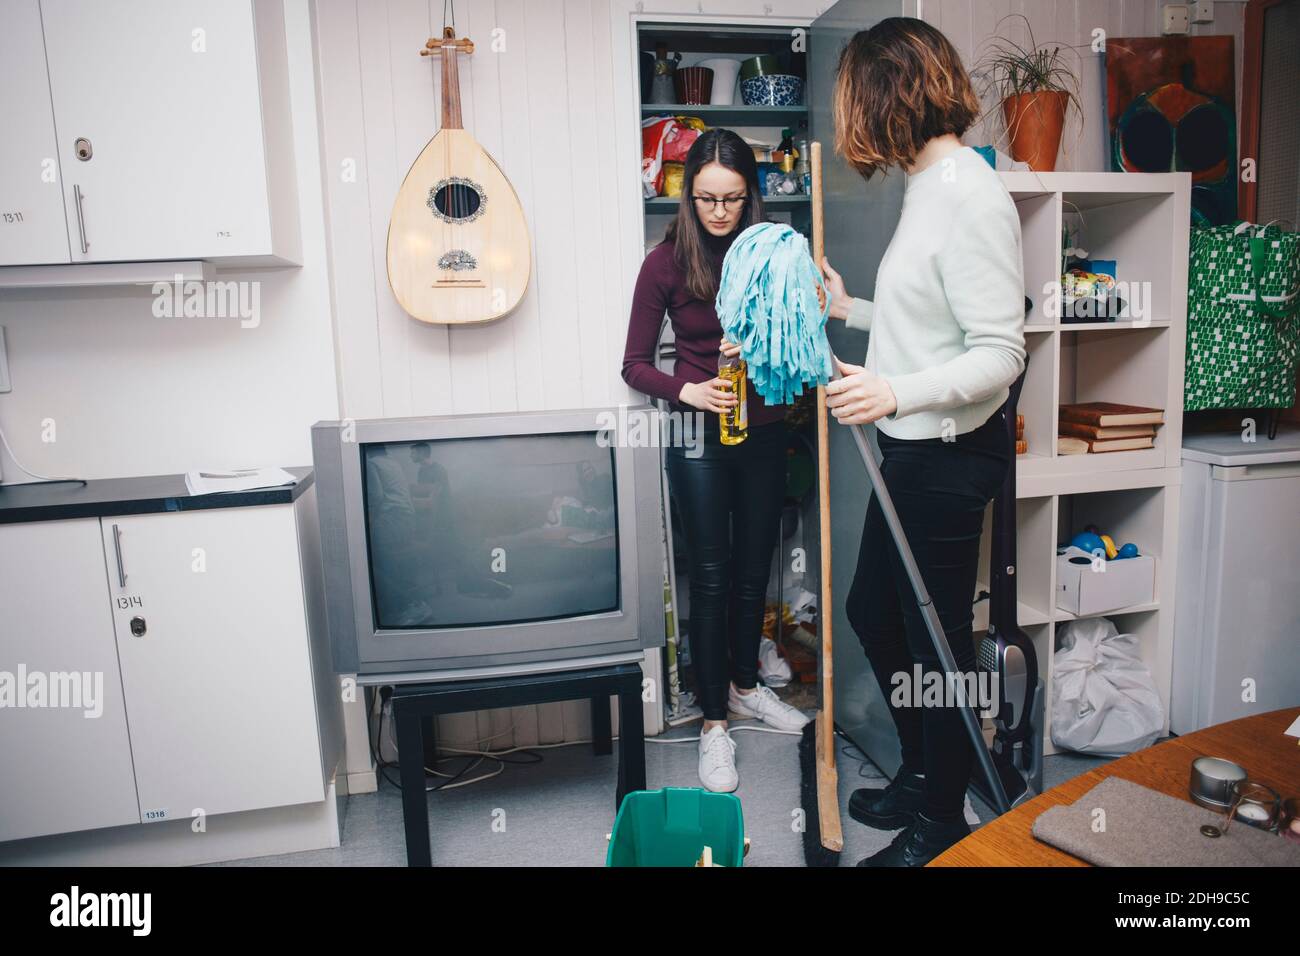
(735, 421)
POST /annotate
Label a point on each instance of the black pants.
(729, 500)
(941, 490)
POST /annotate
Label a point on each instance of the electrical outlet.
(1177, 19)
(5, 384)
(1203, 11)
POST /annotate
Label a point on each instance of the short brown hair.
(898, 86)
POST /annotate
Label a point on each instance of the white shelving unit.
(1141, 221)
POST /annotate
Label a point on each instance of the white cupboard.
(171, 132)
(199, 634)
(33, 228)
(65, 759)
(216, 661)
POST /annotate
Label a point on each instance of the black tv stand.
(415, 706)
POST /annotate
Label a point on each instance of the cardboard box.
(1096, 587)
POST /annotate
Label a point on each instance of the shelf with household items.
(731, 115)
(1140, 224)
(1105, 266)
(745, 78)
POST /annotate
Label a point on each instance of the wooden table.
(1256, 743)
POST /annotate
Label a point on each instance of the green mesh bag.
(1243, 317)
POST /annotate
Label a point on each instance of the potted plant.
(1035, 89)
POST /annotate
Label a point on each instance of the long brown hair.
(686, 232)
(898, 86)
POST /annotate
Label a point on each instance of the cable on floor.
(453, 780)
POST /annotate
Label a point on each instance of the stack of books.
(1095, 427)
(1022, 446)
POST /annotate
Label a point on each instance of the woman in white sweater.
(947, 340)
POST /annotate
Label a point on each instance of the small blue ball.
(1089, 542)
(1128, 551)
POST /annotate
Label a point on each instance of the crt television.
(460, 545)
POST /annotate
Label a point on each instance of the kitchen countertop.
(151, 494)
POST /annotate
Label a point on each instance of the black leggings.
(941, 490)
(729, 500)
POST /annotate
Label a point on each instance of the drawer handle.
(81, 219)
(117, 548)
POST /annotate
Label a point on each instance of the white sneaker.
(767, 707)
(718, 761)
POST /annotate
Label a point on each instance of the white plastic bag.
(772, 667)
(1104, 700)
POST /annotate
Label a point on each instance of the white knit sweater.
(947, 322)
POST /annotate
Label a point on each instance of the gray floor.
(557, 813)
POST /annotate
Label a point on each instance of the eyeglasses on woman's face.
(711, 203)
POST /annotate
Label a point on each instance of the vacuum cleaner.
(1008, 654)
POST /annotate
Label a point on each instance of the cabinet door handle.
(117, 548)
(81, 218)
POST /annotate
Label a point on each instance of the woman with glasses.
(729, 497)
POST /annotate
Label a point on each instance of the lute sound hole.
(457, 200)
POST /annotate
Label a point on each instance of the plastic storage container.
(672, 826)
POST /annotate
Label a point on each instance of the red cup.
(694, 85)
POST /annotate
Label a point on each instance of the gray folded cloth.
(1120, 823)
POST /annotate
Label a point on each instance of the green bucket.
(672, 826)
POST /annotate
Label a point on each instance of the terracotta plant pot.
(1034, 124)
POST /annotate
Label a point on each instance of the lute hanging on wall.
(458, 246)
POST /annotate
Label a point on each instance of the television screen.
(478, 531)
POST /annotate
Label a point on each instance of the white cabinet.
(171, 130)
(1238, 600)
(33, 228)
(199, 635)
(216, 661)
(64, 767)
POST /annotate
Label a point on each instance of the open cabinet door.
(859, 220)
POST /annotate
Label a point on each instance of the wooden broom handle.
(818, 219)
(823, 483)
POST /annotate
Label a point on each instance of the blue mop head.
(767, 304)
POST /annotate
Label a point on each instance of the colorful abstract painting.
(1171, 107)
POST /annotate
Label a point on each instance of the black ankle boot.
(920, 843)
(893, 807)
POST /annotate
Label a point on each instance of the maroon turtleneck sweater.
(660, 288)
